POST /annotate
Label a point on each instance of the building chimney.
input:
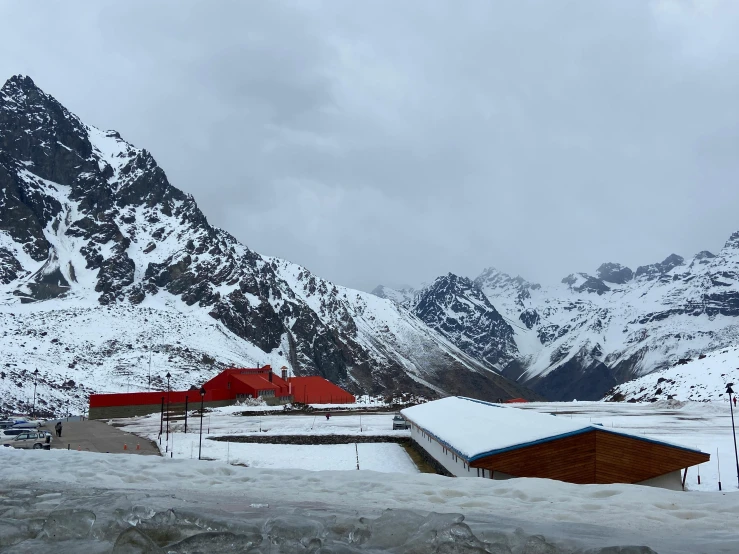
(270, 375)
(284, 373)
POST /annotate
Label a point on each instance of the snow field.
(382, 457)
(224, 421)
(702, 425)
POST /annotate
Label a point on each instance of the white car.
(29, 439)
(23, 423)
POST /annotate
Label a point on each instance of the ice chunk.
(134, 541)
(223, 543)
(294, 531)
(63, 525)
(623, 550)
(538, 545)
(13, 531)
(393, 528)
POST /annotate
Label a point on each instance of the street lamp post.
(730, 391)
(186, 414)
(168, 376)
(202, 405)
(35, 381)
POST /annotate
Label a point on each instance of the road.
(96, 436)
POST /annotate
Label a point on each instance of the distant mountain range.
(105, 265)
(580, 338)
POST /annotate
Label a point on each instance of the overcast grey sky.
(391, 142)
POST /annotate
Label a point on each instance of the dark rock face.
(590, 283)
(98, 216)
(614, 273)
(655, 271)
(455, 307)
(10, 267)
(582, 377)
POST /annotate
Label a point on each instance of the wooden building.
(471, 438)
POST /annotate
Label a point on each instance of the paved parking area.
(97, 436)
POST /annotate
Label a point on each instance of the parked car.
(4, 424)
(7, 434)
(23, 423)
(28, 439)
(399, 422)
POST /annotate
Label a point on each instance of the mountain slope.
(700, 379)
(589, 333)
(89, 222)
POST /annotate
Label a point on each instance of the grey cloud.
(391, 142)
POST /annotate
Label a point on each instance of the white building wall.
(452, 463)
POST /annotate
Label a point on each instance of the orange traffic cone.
(138, 446)
(79, 448)
(125, 446)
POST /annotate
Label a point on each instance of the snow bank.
(620, 509)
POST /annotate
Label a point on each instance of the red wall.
(317, 390)
(310, 390)
(146, 398)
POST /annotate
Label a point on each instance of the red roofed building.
(228, 387)
(317, 390)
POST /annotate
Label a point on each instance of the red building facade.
(228, 387)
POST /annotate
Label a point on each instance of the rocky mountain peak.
(614, 273)
(456, 307)
(733, 242)
(655, 271)
(494, 277)
(582, 282)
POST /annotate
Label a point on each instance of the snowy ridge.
(701, 379)
(589, 333)
(91, 223)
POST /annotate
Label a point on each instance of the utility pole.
(202, 405)
(149, 370)
(168, 376)
(35, 381)
(730, 391)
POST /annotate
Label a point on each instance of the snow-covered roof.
(475, 429)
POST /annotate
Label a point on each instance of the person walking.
(58, 428)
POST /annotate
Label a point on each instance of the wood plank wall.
(622, 459)
(592, 457)
(570, 459)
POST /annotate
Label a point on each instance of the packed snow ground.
(383, 457)
(570, 515)
(226, 421)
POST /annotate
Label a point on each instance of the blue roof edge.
(586, 429)
(653, 441)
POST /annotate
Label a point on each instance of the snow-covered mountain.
(104, 263)
(589, 333)
(700, 379)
